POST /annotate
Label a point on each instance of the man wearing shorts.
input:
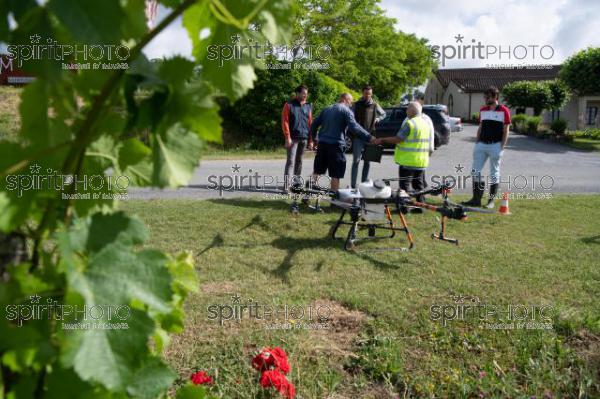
(332, 124)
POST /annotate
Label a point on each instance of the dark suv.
(390, 125)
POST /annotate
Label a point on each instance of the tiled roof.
(479, 79)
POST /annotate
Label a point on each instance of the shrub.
(534, 94)
(519, 122)
(591, 133)
(559, 126)
(533, 123)
(475, 116)
(569, 136)
(254, 121)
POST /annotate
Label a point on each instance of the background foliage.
(254, 121)
(539, 95)
(148, 123)
(581, 72)
(365, 49)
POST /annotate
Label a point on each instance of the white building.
(461, 90)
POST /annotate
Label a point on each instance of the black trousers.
(412, 180)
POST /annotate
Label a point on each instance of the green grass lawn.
(585, 144)
(381, 341)
(9, 116)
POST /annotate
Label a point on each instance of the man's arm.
(478, 137)
(506, 127)
(285, 124)
(310, 140)
(314, 126)
(399, 137)
(431, 135)
(505, 135)
(379, 112)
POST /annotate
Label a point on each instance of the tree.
(365, 47)
(559, 94)
(143, 122)
(581, 72)
(538, 95)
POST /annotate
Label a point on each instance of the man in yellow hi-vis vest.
(412, 149)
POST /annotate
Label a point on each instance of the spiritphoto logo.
(81, 187)
(526, 186)
(306, 56)
(72, 317)
(476, 50)
(277, 317)
(511, 316)
(241, 179)
(71, 56)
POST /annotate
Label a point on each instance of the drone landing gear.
(442, 235)
(295, 208)
(356, 225)
(316, 207)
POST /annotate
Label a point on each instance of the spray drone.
(355, 211)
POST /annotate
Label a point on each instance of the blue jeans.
(483, 152)
(357, 149)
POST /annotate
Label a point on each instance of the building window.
(555, 114)
(450, 105)
(590, 115)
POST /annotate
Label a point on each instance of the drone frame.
(357, 209)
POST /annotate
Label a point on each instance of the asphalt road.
(530, 166)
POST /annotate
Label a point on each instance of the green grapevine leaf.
(151, 379)
(34, 114)
(103, 270)
(176, 153)
(88, 20)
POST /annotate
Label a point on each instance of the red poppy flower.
(271, 358)
(201, 378)
(281, 360)
(275, 379)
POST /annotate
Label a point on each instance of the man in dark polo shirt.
(296, 119)
(332, 125)
(492, 135)
(367, 113)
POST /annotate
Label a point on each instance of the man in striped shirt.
(492, 135)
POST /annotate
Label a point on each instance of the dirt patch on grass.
(343, 327)
(587, 346)
(374, 391)
(219, 288)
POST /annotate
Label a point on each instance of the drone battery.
(372, 153)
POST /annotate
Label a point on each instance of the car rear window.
(436, 115)
(399, 114)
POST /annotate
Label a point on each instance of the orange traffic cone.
(503, 210)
